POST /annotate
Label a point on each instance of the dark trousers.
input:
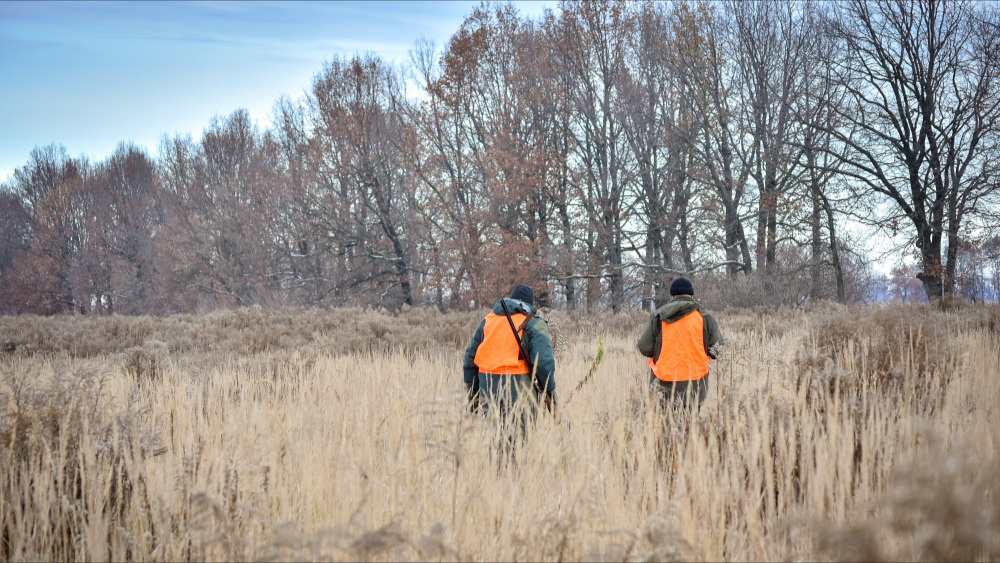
(684, 393)
(498, 401)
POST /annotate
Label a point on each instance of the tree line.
(593, 153)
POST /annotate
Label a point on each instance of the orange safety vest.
(682, 350)
(498, 353)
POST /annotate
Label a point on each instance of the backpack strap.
(528, 317)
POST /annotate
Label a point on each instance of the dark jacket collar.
(515, 306)
(677, 308)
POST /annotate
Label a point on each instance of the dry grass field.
(835, 433)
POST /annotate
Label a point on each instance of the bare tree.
(922, 114)
(815, 109)
(509, 118)
(659, 125)
(218, 237)
(51, 276)
(595, 37)
(706, 73)
(769, 44)
(301, 265)
(15, 237)
(454, 201)
(363, 139)
(127, 213)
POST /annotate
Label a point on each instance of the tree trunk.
(838, 272)
(816, 248)
(930, 257)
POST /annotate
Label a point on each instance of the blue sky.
(89, 75)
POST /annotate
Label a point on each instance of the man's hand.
(550, 405)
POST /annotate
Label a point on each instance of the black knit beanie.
(523, 293)
(681, 286)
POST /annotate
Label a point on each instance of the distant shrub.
(891, 350)
(143, 341)
(147, 362)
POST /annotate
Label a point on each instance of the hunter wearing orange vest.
(680, 341)
(495, 369)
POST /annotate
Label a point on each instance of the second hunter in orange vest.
(685, 360)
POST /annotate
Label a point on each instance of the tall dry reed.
(841, 433)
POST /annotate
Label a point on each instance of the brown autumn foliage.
(593, 152)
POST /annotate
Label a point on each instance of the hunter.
(496, 369)
(680, 341)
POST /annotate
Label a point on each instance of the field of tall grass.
(833, 433)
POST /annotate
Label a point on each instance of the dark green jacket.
(537, 342)
(678, 307)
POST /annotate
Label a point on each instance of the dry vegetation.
(836, 433)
